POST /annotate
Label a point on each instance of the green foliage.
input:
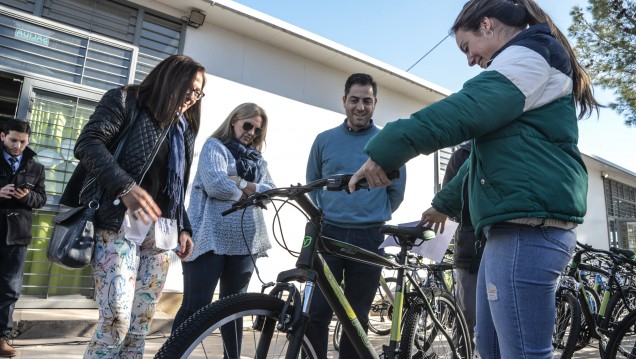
(606, 45)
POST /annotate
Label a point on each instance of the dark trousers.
(199, 282)
(360, 285)
(11, 267)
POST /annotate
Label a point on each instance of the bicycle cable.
(276, 223)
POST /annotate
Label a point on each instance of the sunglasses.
(247, 126)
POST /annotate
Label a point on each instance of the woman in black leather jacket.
(141, 210)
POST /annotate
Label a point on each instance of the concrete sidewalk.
(69, 323)
(64, 333)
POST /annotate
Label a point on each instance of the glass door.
(57, 115)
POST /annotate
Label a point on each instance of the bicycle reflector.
(428, 234)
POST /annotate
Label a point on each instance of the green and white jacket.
(522, 116)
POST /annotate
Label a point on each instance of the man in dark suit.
(21, 190)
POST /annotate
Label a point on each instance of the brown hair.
(225, 131)
(165, 88)
(521, 14)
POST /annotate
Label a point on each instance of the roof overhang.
(267, 29)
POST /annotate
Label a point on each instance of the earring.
(488, 33)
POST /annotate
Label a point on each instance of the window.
(32, 47)
(620, 200)
(56, 121)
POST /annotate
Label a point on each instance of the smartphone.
(25, 185)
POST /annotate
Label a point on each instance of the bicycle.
(380, 315)
(280, 318)
(595, 321)
(622, 342)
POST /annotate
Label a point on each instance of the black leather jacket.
(97, 142)
(16, 214)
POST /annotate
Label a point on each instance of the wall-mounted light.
(604, 175)
(196, 18)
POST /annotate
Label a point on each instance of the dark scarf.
(175, 189)
(248, 160)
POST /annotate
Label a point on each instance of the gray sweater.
(212, 193)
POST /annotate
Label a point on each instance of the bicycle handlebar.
(614, 253)
(338, 182)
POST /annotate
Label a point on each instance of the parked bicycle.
(590, 317)
(279, 319)
(427, 275)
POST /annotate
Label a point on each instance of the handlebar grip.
(228, 211)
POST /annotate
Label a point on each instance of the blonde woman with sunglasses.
(230, 167)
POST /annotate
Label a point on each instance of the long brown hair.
(521, 14)
(165, 88)
(225, 132)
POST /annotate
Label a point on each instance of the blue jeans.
(360, 284)
(516, 289)
(199, 282)
(11, 266)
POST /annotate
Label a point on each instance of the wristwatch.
(241, 184)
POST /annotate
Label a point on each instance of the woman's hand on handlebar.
(373, 173)
(434, 219)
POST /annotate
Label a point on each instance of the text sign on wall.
(31, 37)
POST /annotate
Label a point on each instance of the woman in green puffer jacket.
(527, 183)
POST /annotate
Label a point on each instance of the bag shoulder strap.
(120, 144)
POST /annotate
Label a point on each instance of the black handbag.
(72, 243)
(73, 240)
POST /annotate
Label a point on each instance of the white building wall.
(594, 230)
(302, 98)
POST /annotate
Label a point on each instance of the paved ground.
(73, 348)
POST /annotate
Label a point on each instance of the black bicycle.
(275, 324)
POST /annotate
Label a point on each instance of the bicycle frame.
(612, 286)
(312, 269)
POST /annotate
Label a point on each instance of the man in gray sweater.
(353, 218)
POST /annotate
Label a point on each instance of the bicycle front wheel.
(249, 323)
(421, 338)
(567, 326)
(622, 343)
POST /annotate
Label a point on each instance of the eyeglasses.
(248, 126)
(197, 94)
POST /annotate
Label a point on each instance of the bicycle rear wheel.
(381, 309)
(622, 343)
(258, 337)
(422, 339)
(567, 326)
(337, 334)
(618, 308)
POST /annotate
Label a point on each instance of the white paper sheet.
(433, 249)
(166, 233)
(135, 230)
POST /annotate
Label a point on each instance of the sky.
(400, 32)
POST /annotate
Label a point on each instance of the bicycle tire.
(381, 310)
(422, 340)
(622, 343)
(337, 334)
(262, 310)
(617, 310)
(567, 326)
(585, 332)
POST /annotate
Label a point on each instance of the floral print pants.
(128, 283)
